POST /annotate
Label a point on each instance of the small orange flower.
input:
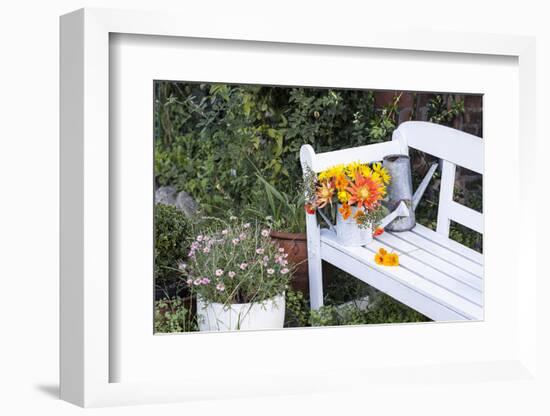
(345, 210)
(391, 259)
(341, 182)
(382, 257)
(378, 231)
(310, 208)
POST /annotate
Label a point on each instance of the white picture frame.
(86, 357)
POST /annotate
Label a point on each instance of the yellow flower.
(343, 197)
(379, 258)
(331, 172)
(382, 251)
(365, 170)
(382, 172)
(352, 168)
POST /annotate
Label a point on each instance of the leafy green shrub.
(385, 309)
(207, 134)
(297, 309)
(171, 315)
(381, 310)
(279, 210)
(172, 230)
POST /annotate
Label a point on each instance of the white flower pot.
(348, 231)
(214, 316)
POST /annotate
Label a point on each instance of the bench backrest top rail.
(449, 144)
(364, 154)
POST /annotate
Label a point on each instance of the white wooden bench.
(437, 276)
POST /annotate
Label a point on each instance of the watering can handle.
(330, 225)
(423, 185)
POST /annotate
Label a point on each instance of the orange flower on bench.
(383, 258)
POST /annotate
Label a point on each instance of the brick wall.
(414, 106)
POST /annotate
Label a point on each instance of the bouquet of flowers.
(236, 264)
(357, 189)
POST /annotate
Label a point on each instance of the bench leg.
(314, 262)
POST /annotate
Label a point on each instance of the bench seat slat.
(406, 277)
(441, 264)
(447, 243)
(435, 276)
(430, 247)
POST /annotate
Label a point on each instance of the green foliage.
(382, 309)
(467, 237)
(171, 315)
(279, 210)
(387, 310)
(206, 135)
(443, 110)
(384, 121)
(297, 309)
(171, 243)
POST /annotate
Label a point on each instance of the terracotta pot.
(295, 244)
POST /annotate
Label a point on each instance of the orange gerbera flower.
(324, 193)
(379, 258)
(345, 210)
(365, 192)
(341, 182)
(378, 231)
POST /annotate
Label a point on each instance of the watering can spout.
(423, 186)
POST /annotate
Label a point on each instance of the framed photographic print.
(289, 210)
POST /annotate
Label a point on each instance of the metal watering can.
(401, 201)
